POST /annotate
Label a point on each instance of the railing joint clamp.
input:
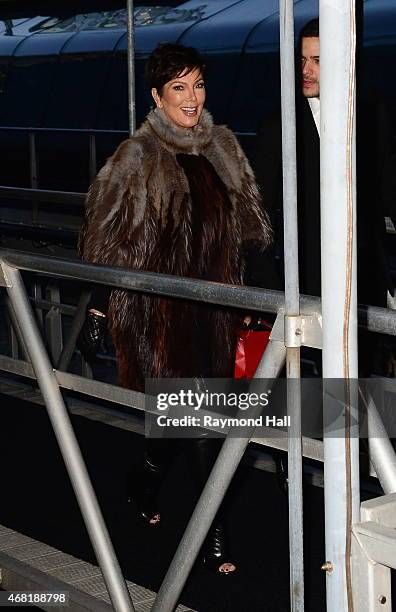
(293, 331)
(298, 330)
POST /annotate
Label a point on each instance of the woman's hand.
(255, 322)
(91, 340)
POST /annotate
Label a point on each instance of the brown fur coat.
(139, 214)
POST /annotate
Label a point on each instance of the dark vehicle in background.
(64, 99)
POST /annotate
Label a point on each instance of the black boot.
(203, 452)
(215, 554)
(143, 488)
(282, 471)
(145, 482)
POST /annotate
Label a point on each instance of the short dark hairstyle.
(310, 30)
(168, 61)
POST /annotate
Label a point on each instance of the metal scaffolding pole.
(131, 68)
(78, 321)
(68, 444)
(220, 477)
(339, 303)
(292, 303)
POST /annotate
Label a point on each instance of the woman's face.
(182, 99)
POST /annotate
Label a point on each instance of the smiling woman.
(178, 198)
(177, 83)
(182, 99)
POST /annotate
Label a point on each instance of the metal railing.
(51, 380)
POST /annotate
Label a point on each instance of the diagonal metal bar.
(382, 453)
(67, 442)
(220, 477)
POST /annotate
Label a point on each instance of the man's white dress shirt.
(314, 104)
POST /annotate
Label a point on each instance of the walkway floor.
(37, 500)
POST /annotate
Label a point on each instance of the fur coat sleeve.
(255, 228)
(115, 209)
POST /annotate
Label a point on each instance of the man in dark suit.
(373, 278)
(375, 182)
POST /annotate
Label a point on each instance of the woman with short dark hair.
(177, 198)
(170, 60)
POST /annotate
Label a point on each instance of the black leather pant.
(201, 454)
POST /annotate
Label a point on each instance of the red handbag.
(250, 348)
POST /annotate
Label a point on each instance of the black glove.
(91, 340)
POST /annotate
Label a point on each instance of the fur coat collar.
(186, 140)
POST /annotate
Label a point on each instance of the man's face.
(310, 67)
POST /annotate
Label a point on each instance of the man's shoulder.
(271, 122)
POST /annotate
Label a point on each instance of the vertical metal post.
(220, 477)
(92, 157)
(292, 303)
(14, 343)
(38, 295)
(339, 302)
(67, 443)
(33, 172)
(33, 161)
(289, 163)
(131, 68)
(53, 323)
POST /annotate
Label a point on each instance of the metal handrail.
(55, 130)
(46, 130)
(372, 318)
(45, 195)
